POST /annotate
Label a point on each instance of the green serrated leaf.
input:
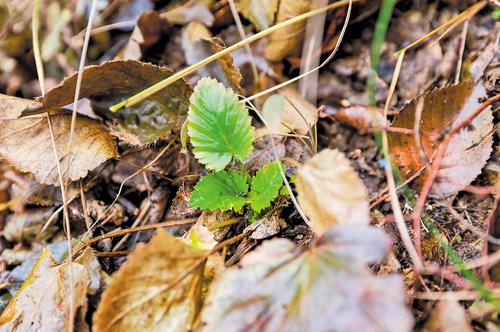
(219, 125)
(222, 190)
(266, 185)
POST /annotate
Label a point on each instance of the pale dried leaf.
(287, 39)
(260, 12)
(467, 152)
(278, 287)
(298, 113)
(13, 107)
(144, 294)
(26, 144)
(330, 191)
(42, 302)
(448, 316)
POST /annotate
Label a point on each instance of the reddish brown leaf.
(468, 150)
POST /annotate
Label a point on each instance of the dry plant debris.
(222, 203)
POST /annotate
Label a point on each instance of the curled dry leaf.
(278, 287)
(358, 116)
(142, 124)
(261, 12)
(147, 294)
(198, 44)
(330, 191)
(468, 150)
(287, 39)
(147, 32)
(26, 143)
(42, 302)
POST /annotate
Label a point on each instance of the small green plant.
(220, 132)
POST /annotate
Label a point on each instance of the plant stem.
(384, 16)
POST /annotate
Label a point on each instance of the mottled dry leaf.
(279, 287)
(42, 302)
(146, 295)
(330, 191)
(198, 44)
(287, 39)
(142, 124)
(468, 150)
(26, 144)
(448, 316)
(260, 12)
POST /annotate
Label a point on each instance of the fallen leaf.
(146, 293)
(42, 302)
(279, 287)
(198, 44)
(288, 111)
(26, 144)
(191, 11)
(358, 116)
(448, 316)
(330, 191)
(272, 112)
(260, 12)
(264, 228)
(147, 31)
(468, 150)
(286, 40)
(21, 227)
(13, 107)
(142, 124)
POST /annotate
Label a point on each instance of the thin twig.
(396, 208)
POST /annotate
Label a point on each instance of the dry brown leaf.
(42, 302)
(26, 144)
(146, 295)
(198, 44)
(260, 12)
(448, 316)
(468, 150)
(287, 39)
(280, 287)
(142, 124)
(330, 191)
(147, 31)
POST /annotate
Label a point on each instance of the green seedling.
(219, 128)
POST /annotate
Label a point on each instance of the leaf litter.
(237, 254)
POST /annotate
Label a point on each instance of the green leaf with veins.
(222, 190)
(266, 185)
(219, 125)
